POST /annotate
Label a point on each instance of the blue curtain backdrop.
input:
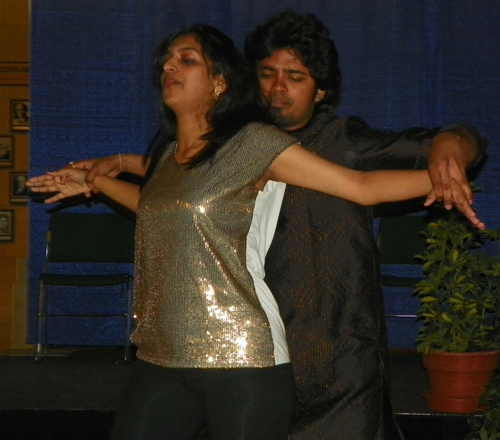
(405, 63)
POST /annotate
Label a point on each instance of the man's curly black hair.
(309, 38)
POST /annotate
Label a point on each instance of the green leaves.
(460, 298)
(486, 424)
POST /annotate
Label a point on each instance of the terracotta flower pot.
(457, 380)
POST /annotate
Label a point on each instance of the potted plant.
(460, 313)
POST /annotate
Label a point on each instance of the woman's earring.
(217, 92)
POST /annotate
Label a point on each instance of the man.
(4, 225)
(322, 264)
(20, 114)
(5, 150)
(20, 188)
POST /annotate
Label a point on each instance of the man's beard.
(280, 120)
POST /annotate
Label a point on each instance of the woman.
(211, 344)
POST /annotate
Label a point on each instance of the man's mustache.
(279, 99)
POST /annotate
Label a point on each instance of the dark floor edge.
(85, 424)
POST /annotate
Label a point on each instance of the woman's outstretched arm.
(69, 182)
(298, 166)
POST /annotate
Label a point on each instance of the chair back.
(90, 238)
(400, 239)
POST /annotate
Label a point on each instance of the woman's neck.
(189, 137)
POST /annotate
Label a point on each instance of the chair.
(92, 246)
(399, 240)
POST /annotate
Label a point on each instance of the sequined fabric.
(195, 300)
(323, 271)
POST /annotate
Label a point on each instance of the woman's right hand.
(111, 166)
(67, 182)
(102, 166)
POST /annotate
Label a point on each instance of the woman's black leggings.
(231, 404)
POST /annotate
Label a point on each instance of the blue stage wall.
(405, 63)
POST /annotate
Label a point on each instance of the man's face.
(4, 224)
(20, 110)
(20, 182)
(289, 87)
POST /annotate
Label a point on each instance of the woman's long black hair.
(237, 106)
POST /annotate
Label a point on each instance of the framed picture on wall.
(19, 115)
(6, 225)
(18, 188)
(6, 151)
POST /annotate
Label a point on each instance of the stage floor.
(84, 384)
(91, 379)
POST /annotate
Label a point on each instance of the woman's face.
(187, 81)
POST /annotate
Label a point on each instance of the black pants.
(231, 404)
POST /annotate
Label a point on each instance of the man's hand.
(448, 158)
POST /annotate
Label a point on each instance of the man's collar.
(322, 116)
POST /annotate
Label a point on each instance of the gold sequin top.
(195, 300)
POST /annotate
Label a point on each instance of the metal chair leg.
(41, 323)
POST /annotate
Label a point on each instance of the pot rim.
(467, 353)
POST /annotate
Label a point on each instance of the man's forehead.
(286, 58)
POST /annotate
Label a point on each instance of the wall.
(405, 63)
(14, 58)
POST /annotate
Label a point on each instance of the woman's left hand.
(67, 182)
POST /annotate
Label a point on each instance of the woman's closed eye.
(188, 61)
